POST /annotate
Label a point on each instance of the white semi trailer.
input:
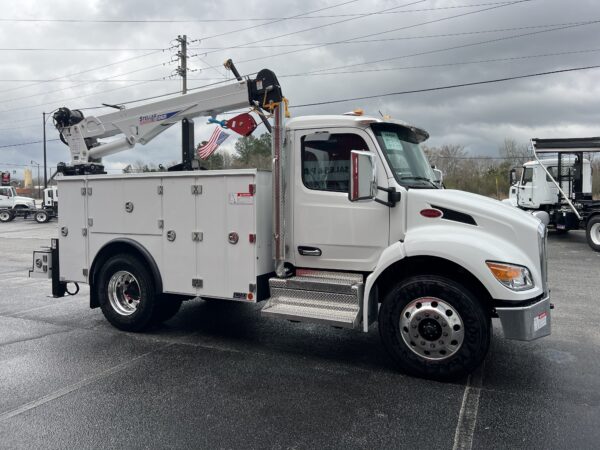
(349, 229)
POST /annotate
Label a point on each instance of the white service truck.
(349, 229)
(558, 185)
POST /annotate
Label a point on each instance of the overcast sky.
(426, 45)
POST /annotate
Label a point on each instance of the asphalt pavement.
(218, 375)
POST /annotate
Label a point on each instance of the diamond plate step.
(309, 298)
(333, 285)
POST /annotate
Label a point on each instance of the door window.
(527, 175)
(326, 160)
(5, 191)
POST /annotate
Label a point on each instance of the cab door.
(5, 197)
(329, 231)
(525, 192)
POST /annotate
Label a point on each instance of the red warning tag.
(243, 124)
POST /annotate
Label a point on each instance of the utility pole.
(182, 69)
(187, 125)
(45, 169)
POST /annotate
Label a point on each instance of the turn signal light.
(513, 277)
(431, 213)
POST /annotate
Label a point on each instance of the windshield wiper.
(421, 179)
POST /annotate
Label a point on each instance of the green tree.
(253, 152)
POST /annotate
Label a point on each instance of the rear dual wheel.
(41, 217)
(128, 296)
(434, 327)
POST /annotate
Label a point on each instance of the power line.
(472, 44)
(251, 19)
(401, 38)
(278, 20)
(337, 22)
(78, 85)
(93, 69)
(460, 63)
(27, 143)
(406, 27)
(451, 86)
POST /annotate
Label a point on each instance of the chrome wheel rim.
(595, 233)
(40, 217)
(124, 293)
(431, 328)
(4, 216)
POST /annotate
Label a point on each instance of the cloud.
(479, 117)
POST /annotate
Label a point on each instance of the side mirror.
(512, 176)
(438, 177)
(363, 176)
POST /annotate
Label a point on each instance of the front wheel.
(125, 289)
(592, 233)
(6, 215)
(434, 327)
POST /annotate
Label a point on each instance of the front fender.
(467, 247)
(470, 248)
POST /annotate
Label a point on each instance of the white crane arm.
(143, 123)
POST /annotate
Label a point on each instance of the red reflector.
(252, 189)
(252, 238)
(431, 213)
(250, 296)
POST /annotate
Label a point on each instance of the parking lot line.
(75, 386)
(465, 428)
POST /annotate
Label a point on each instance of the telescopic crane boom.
(143, 123)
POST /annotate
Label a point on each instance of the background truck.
(349, 229)
(15, 206)
(12, 204)
(560, 186)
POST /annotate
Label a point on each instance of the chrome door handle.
(309, 251)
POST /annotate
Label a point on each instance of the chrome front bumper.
(526, 323)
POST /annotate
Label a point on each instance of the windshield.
(404, 155)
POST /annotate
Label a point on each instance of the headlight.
(517, 278)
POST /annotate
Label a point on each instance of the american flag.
(217, 138)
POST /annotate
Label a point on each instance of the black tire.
(41, 216)
(592, 233)
(445, 362)
(118, 299)
(168, 306)
(6, 215)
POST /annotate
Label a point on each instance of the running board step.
(318, 297)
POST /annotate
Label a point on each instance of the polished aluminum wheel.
(4, 216)
(124, 293)
(431, 328)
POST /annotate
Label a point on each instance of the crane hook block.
(243, 124)
(265, 88)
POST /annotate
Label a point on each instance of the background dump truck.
(348, 229)
(558, 184)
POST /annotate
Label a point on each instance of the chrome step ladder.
(333, 298)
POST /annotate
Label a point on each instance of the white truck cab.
(349, 229)
(535, 189)
(9, 199)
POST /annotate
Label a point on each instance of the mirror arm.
(393, 196)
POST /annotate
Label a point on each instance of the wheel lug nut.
(414, 326)
(426, 314)
(441, 342)
(422, 342)
(446, 334)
